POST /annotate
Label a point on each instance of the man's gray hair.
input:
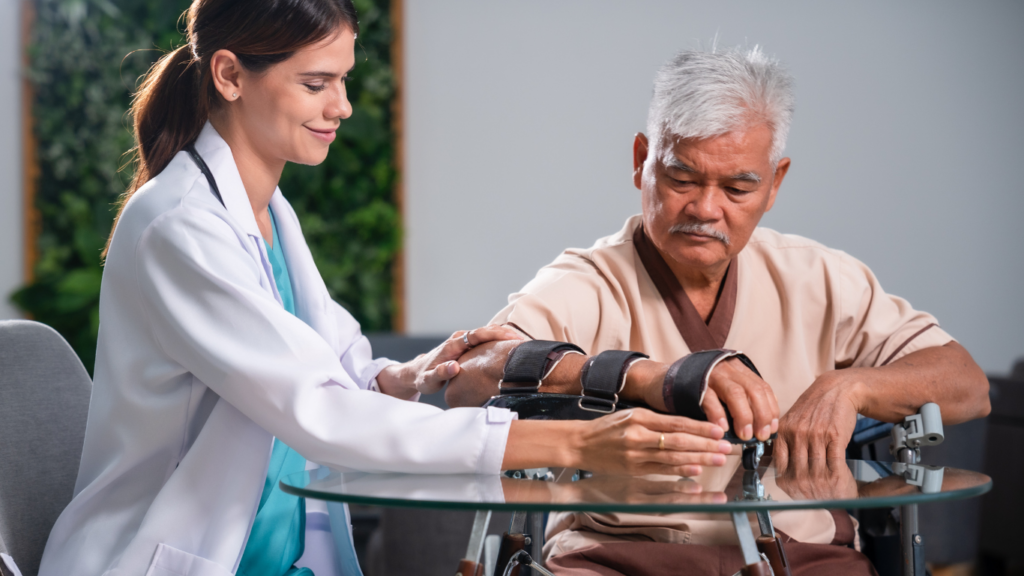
(702, 94)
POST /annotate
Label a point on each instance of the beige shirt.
(801, 309)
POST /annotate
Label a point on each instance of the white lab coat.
(199, 367)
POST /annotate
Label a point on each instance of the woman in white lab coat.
(222, 357)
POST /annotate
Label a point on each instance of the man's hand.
(820, 424)
(750, 399)
(480, 370)
(828, 479)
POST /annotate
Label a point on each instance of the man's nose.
(704, 207)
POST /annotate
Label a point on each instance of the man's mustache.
(701, 228)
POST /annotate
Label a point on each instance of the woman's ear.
(225, 69)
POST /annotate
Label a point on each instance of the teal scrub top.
(278, 534)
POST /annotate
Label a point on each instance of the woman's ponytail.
(176, 97)
(168, 111)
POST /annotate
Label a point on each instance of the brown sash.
(697, 335)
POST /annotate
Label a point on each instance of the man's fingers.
(780, 455)
(713, 409)
(760, 396)
(798, 460)
(735, 397)
(836, 451)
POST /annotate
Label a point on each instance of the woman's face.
(291, 110)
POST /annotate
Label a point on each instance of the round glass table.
(839, 484)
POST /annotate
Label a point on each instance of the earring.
(234, 95)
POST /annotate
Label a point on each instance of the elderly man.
(694, 272)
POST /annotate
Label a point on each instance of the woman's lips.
(325, 135)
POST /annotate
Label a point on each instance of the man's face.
(702, 199)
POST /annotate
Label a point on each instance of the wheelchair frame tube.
(911, 543)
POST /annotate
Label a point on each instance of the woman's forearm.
(540, 443)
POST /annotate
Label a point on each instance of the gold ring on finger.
(661, 442)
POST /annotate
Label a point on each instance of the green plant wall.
(85, 59)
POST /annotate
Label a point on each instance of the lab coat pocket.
(170, 561)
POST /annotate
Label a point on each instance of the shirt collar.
(217, 155)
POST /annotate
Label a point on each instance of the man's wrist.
(565, 378)
(853, 383)
(644, 383)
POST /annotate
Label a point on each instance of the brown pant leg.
(661, 559)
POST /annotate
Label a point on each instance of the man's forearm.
(946, 375)
(643, 381)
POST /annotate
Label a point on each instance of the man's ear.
(780, 173)
(225, 70)
(640, 150)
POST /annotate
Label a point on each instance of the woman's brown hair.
(175, 97)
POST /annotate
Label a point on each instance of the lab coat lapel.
(311, 298)
(217, 155)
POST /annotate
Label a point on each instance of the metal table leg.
(754, 564)
(470, 565)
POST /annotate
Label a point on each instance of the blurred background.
(489, 136)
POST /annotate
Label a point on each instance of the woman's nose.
(339, 106)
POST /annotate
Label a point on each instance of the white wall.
(11, 212)
(907, 143)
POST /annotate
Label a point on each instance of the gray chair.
(44, 402)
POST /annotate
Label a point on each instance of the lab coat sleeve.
(357, 359)
(209, 314)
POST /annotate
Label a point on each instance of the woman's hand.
(627, 442)
(427, 373)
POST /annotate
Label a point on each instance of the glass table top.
(838, 484)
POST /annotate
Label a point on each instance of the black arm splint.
(603, 377)
(688, 377)
(528, 363)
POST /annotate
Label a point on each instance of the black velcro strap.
(602, 379)
(526, 364)
(686, 379)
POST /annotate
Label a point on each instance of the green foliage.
(85, 58)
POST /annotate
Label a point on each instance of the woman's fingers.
(433, 380)
(668, 423)
(492, 332)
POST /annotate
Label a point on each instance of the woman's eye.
(314, 88)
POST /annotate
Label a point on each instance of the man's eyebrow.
(746, 177)
(677, 164)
